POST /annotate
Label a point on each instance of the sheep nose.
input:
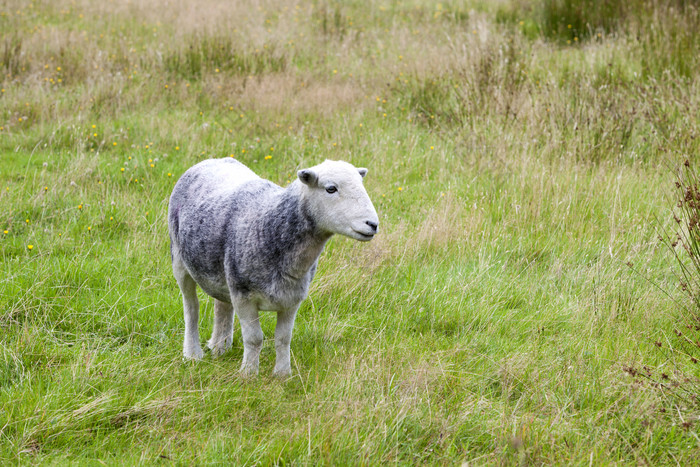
(373, 225)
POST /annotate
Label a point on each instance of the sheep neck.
(303, 241)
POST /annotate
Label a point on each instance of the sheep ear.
(308, 177)
(362, 171)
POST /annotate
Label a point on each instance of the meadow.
(517, 306)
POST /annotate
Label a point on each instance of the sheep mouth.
(364, 236)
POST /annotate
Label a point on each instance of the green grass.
(521, 182)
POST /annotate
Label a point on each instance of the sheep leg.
(222, 336)
(188, 287)
(283, 339)
(252, 337)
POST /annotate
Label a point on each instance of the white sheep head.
(338, 201)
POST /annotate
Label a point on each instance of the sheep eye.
(331, 189)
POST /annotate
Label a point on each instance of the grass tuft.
(213, 55)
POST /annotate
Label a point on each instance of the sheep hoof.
(248, 372)
(282, 374)
(219, 348)
(193, 354)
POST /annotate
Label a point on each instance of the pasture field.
(517, 306)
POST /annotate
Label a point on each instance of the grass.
(521, 181)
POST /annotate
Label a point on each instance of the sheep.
(254, 246)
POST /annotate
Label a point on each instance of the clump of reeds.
(681, 348)
(685, 241)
